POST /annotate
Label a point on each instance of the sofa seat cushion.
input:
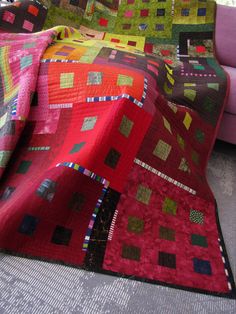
(227, 131)
(225, 38)
(231, 104)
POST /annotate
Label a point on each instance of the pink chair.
(226, 54)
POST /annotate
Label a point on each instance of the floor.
(28, 286)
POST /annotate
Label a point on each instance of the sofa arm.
(225, 38)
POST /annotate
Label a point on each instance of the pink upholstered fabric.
(231, 104)
(227, 130)
(226, 35)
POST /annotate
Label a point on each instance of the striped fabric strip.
(164, 176)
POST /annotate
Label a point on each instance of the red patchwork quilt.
(103, 152)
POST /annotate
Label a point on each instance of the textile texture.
(105, 139)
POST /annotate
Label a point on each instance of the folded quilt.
(104, 142)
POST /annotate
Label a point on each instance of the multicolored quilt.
(105, 138)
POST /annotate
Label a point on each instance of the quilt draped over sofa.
(105, 138)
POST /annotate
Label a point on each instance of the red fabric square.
(144, 12)
(132, 43)
(200, 49)
(33, 10)
(148, 48)
(115, 40)
(168, 61)
(165, 52)
(103, 22)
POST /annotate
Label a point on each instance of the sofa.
(225, 40)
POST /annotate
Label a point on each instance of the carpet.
(104, 149)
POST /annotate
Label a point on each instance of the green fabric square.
(124, 80)
(26, 61)
(190, 94)
(198, 67)
(196, 216)
(180, 141)
(169, 206)
(199, 135)
(112, 158)
(143, 194)
(162, 150)
(131, 252)
(208, 104)
(167, 124)
(199, 240)
(214, 86)
(184, 166)
(195, 157)
(66, 80)
(24, 166)
(94, 78)
(88, 123)
(135, 225)
(29, 45)
(77, 147)
(166, 233)
(126, 126)
(4, 157)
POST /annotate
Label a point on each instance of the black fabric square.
(61, 236)
(74, 2)
(34, 99)
(167, 260)
(161, 12)
(112, 158)
(28, 225)
(76, 201)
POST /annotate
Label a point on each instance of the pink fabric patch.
(9, 17)
(152, 68)
(28, 25)
(128, 13)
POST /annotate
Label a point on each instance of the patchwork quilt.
(105, 134)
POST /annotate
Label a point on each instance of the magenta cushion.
(231, 104)
(225, 35)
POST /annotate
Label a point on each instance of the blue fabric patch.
(202, 267)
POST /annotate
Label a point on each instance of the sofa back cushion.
(225, 35)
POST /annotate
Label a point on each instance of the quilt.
(105, 134)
